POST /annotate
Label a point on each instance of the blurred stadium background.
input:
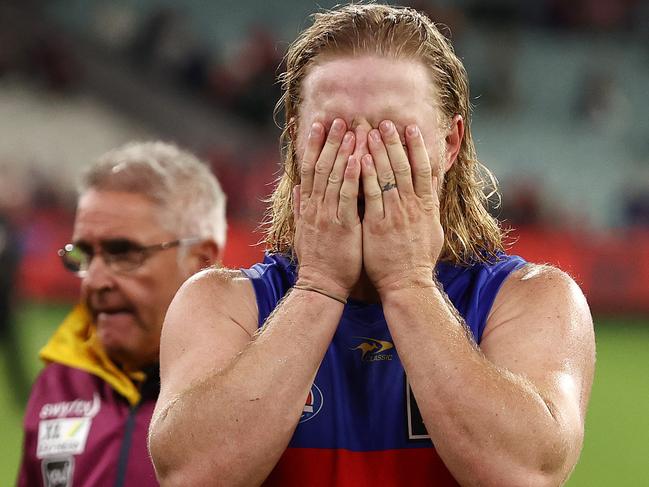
(561, 95)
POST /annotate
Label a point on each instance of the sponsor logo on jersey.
(64, 427)
(77, 408)
(64, 436)
(313, 404)
(57, 472)
(373, 350)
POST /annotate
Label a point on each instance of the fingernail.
(386, 127)
(337, 126)
(348, 138)
(412, 130)
(376, 137)
(315, 130)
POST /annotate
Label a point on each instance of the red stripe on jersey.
(315, 467)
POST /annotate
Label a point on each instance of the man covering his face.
(387, 338)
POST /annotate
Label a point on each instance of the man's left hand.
(402, 233)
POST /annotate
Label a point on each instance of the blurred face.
(128, 308)
(366, 90)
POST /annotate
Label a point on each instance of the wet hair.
(190, 197)
(470, 233)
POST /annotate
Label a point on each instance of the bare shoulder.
(218, 280)
(220, 290)
(539, 286)
(210, 320)
(540, 327)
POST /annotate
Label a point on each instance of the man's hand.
(402, 233)
(328, 236)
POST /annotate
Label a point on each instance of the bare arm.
(230, 398)
(511, 412)
(228, 404)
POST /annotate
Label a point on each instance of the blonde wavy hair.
(470, 233)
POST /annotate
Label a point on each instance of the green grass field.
(617, 428)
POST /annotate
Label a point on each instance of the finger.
(381, 161)
(313, 148)
(348, 200)
(296, 202)
(397, 157)
(327, 157)
(420, 162)
(435, 196)
(371, 189)
(436, 185)
(336, 177)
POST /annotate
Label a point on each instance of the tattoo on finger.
(388, 186)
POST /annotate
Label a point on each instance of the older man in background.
(149, 216)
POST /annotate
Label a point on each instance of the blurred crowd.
(238, 86)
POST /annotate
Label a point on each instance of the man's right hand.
(328, 234)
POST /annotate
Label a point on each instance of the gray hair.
(177, 181)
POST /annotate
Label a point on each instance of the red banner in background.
(612, 269)
(42, 276)
(243, 247)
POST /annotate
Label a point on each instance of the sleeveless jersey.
(361, 425)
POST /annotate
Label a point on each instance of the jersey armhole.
(493, 285)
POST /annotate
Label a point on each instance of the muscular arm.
(511, 412)
(229, 404)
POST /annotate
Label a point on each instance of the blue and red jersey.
(361, 425)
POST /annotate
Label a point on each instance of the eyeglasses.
(120, 255)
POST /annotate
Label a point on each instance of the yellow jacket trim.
(76, 344)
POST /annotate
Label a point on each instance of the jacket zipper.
(122, 463)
